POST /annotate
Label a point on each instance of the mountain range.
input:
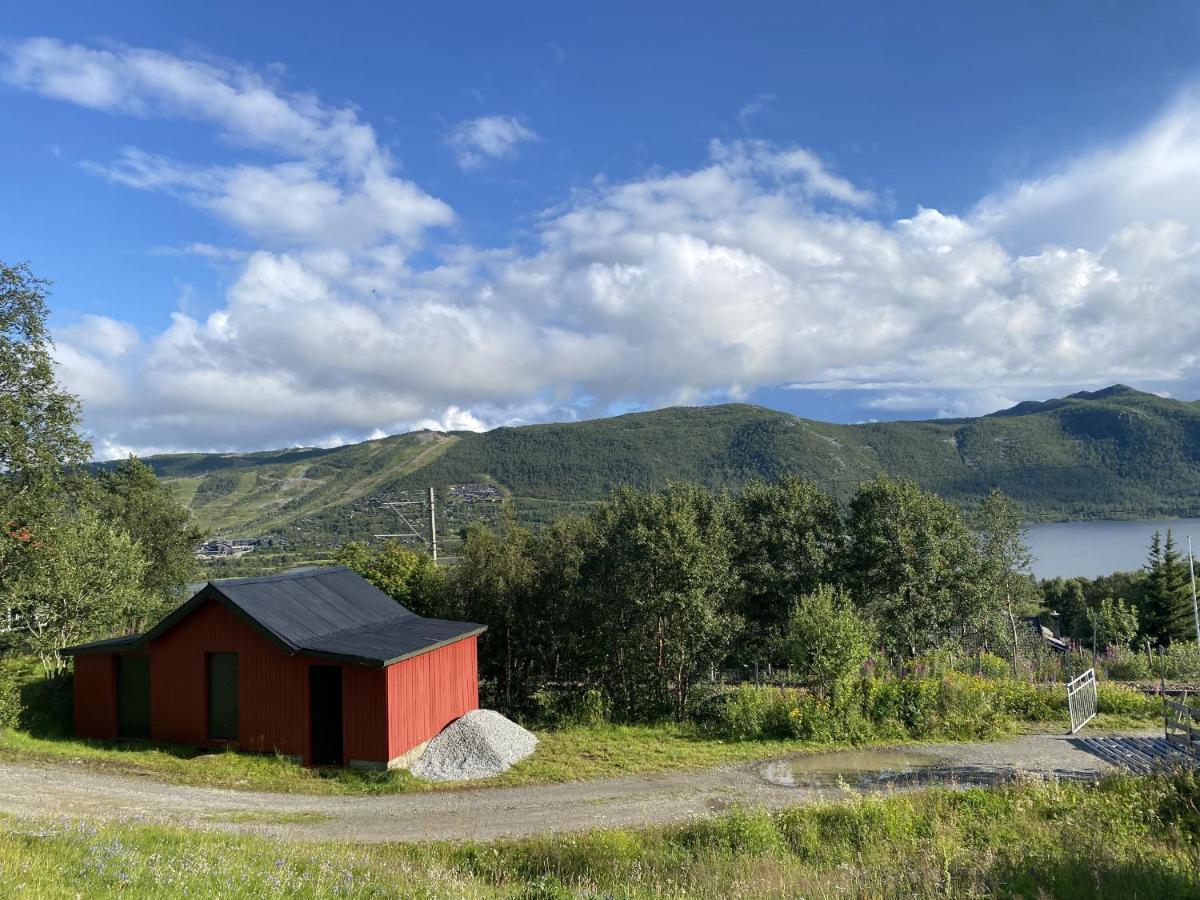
(1112, 453)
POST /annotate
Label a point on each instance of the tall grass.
(1122, 837)
(950, 706)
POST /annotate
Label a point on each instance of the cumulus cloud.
(477, 142)
(760, 265)
(335, 186)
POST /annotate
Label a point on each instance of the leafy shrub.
(1125, 665)
(740, 832)
(1181, 661)
(827, 640)
(10, 702)
(562, 707)
(742, 714)
(1123, 700)
(955, 705)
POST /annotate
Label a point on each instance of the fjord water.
(1088, 549)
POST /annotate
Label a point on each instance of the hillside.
(1115, 453)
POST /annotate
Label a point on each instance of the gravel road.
(65, 791)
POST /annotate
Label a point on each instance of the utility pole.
(433, 534)
(1195, 608)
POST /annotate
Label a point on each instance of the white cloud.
(336, 185)
(759, 266)
(102, 336)
(476, 142)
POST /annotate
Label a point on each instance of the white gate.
(1081, 699)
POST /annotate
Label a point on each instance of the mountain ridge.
(1112, 453)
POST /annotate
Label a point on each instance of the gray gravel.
(478, 745)
(75, 791)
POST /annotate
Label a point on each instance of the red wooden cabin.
(320, 665)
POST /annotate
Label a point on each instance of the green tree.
(408, 576)
(1167, 596)
(827, 641)
(131, 498)
(911, 563)
(1066, 597)
(41, 449)
(84, 580)
(661, 570)
(786, 538)
(1005, 587)
(494, 583)
(1114, 623)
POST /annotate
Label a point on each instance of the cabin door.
(223, 690)
(133, 696)
(325, 700)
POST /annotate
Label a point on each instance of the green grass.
(1122, 837)
(569, 755)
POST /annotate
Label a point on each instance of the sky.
(294, 224)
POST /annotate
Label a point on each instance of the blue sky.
(308, 223)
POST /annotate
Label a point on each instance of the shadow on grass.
(1082, 875)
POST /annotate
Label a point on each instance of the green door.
(223, 696)
(133, 696)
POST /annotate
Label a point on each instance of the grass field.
(1122, 837)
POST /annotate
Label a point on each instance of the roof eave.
(376, 662)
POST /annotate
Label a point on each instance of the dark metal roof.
(327, 612)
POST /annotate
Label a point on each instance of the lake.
(1070, 549)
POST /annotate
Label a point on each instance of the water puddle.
(855, 768)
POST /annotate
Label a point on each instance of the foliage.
(949, 706)
(1114, 623)
(1006, 588)
(409, 577)
(10, 702)
(787, 538)
(1167, 597)
(39, 438)
(660, 573)
(41, 449)
(911, 563)
(132, 499)
(827, 641)
(83, 578)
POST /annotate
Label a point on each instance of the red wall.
(273, 707)
(385, 712)
(95, 687)
(427, 692)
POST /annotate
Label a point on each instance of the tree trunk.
(1012, 622)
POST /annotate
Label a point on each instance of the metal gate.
(1081, 699)
(1179, 725)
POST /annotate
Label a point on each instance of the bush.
(10, 702)
(1123, 700)
(1181, 661)
(1124, 665)
(563, 707)
(827, 640)
(921, 706)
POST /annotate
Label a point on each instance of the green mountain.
(1114, 453)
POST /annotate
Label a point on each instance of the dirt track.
(57, 791)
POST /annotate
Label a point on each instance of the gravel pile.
(477, 745)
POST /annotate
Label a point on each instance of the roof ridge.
(285, 576)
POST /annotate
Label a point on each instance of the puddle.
(855, 768)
